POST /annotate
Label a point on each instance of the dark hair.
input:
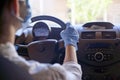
(4, 3)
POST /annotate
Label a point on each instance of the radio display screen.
(99, 45)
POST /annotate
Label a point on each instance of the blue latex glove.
(70, 36)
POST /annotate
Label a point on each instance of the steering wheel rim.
(49, 18)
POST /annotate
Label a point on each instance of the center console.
(99, 51)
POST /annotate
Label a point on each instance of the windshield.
(78, 11)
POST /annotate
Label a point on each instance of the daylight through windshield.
(78, 11)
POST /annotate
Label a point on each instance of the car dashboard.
(98, 53)
(98, 49)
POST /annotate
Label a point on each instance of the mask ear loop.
(20, 19)
(17, 17)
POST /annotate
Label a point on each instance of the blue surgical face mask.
(25, 20)
(29, 13)
(27, 16)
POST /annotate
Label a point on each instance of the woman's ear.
(15, 8)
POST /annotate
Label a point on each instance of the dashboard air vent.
(88, 35)
(109, 35)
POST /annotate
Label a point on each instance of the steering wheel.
(49, 18)
(46, 50)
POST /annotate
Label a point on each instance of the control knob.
(99, 56)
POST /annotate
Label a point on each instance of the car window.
(78, 11)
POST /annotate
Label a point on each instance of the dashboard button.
(99, 56)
